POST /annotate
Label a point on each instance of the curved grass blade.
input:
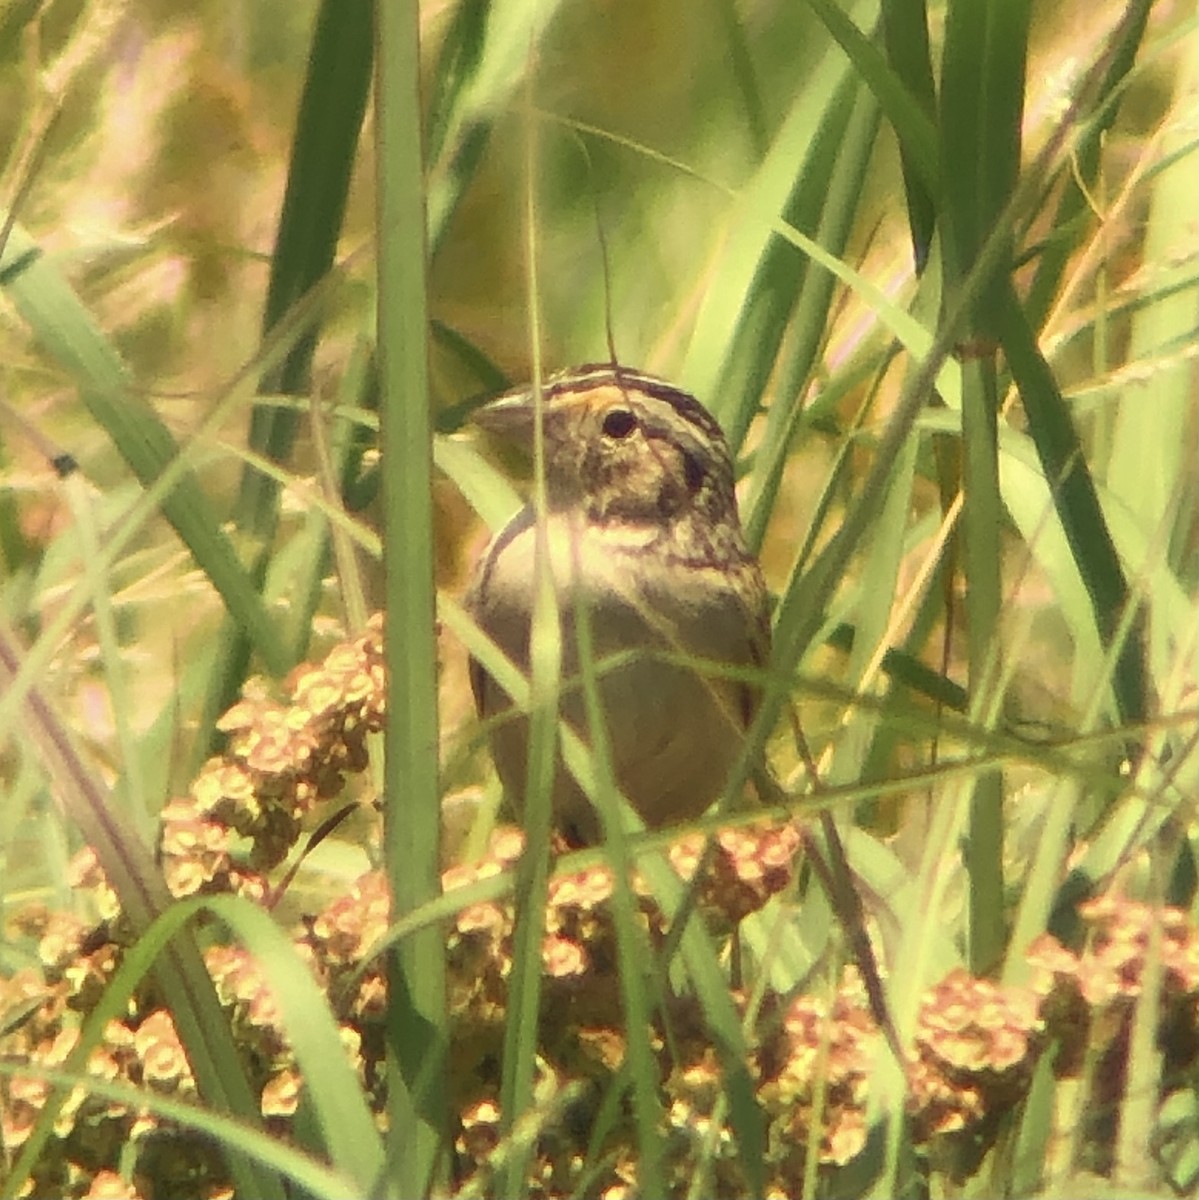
(69, 334)
(910, 114)
(346, 1123)
(280, 1160)
(139, 886)
(484, 80)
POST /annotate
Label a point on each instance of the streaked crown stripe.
(592, 375)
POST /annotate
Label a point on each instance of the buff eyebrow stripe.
(592, 375)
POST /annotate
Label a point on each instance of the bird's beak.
(510, 419)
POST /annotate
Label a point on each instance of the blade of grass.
(873, 611)
(490, 75)
(132, 783)
(812, 297)
(982, 100)
(1133, 1168)
(71, 337)
(1076, 500)
(338, 436)
(982, 103)
(632, 950)
(721, 1022)
(332, 107)
(910, 114)
(522, 1026)
(458, 62)
(749, 299)
(323, 152)
(278, 1158)
(905, 37)
(133, 875)
(1152, 432)
(742, 64)
(776, 445)
(982, 523)
(417, 1033)
(346, 1122)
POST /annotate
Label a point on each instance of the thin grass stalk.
(634, 954)
(132, 785)
(1067, 224)
(545, 676)
(417, 1021)
(1134, 1169)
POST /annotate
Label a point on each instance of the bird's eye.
(619, 423)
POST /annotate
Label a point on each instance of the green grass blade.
(875, 598)
(816, 289)
(323, 153)
(458, 62)
(347, 1126)
(324, 150)
(523, 1021)
(633, 951)
(279, 1161)
(133, 875)
(720, 1020)
(981, 107)
(749, 302)
(491, 74)
(905, 37)
(742, 63)
(1147, 420)
(69, 334)
(346, 1123)
(417, 1033)
(1077, 503)
(982, 519)
(910, 114)
(981, 110)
